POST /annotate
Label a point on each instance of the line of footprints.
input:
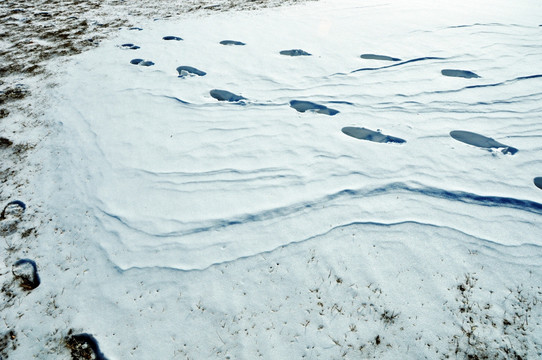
(26, 276)
(361, 133)
(25, 271)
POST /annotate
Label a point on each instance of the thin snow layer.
(217, 229)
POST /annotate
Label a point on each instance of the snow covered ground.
(186, 227)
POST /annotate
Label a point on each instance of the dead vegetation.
(498, 329)
(83, 346)
(8, 341)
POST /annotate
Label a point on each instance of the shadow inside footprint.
(11, 216)
(481, 141)
(13, 208)
(141, 62)
(26, 271)
(175, 38)
(459, 73)
(5, 142)
(189, 70)
(538, 182)
(84, 346)
(378, 57)
(129, 46)
(232, 42)
(370, 135)
(294, 52)
(302, 106)
(223, 95)
(136, 28)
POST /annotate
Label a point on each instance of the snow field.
(188, 227)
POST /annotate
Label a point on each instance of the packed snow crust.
(187, 227)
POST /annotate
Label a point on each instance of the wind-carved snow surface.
(368, 239)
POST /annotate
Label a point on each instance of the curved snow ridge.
(212, 225)
(175, 180)
(478, 86)
(487, 24)
(471, 198)
(525, 254)
(399, 63)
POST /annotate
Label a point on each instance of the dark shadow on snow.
(459, 73)
(175, 38)
(223, 95)
(370, 135)
(399, 64)
(141, 62)
(303, 106)
(295, 52)
(15, 205)
(26, 271)
(378, 57)
(187, 70)
(84, 346)
(481, 141)
(232, 42)
(129, 46)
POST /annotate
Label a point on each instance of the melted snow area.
(388, 212)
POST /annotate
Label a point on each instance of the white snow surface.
(206, 229)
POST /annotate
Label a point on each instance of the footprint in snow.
(379, 57)
(11, 216)
(5, 143)
(83, 346)
(14, 208)
(189, 70)
(481, 141)
(370, 135)
(223, 95)
(176, 38)
(141, 62)
(295, 52)
(302, 106)
(459, 73)
(136, 28)
(26, 272)
(129, 46)
(232, 42)
(538, 180)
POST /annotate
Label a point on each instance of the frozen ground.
(399, 218)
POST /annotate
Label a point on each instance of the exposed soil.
(32, 33)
